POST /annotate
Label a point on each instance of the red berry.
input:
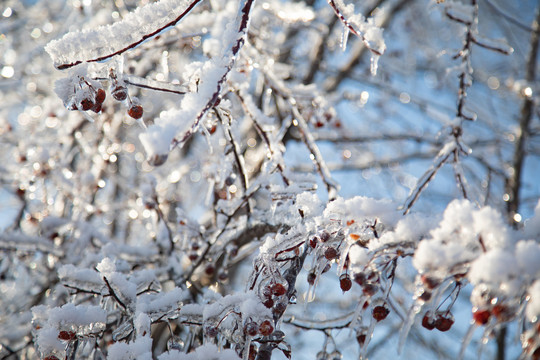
(313, 242)
(119, 93)
(345, 282)
(429, 281)
(481, 317)
(370, 289)
(136, 111)
(319, 124)
(324, 236)
(311, 278)
(443, 323)
(268, 303)
(326, 268)
(209, 269)
(425, 296)
(251, 328)
(100, 96)
(96, 108)
(87, 104)
(279, 308)
(50, 357)
(278, 289)
(330, 253)
(361, 339)
(428, 322)
(359, 278)
(66, 335)
(380, 312)
(266, 328)
(193, 256)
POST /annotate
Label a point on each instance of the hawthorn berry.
(481, 317)
(324, 236)
(359, 278)
(209, 269)
(87, 104)
(251, 328)
(135, 111)
(331, 253)
(361, 339)
(193, 256)
(311, 278)
(268, 303)
(428, 322)
(66, 335)
(313, 242)
(119, 93)
(345, 282)
(51, 357)
(444, 323)
(278, 289)
(380, 312)
(100, 96)
(266, 328)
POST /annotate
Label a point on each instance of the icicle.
(374, 64)
(343, 258)
(369, 335)
(466, 340)
(344, 38)
(413, 311)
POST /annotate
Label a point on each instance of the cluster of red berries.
(92, 99)
(441, 320)
(265, 328)
(272, 295)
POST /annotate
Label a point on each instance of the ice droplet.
(374, 64)
(344, 38)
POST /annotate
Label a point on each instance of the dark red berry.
(326, 268)
(50, 357)
(193, 256)
(311, 278)
(66, 335)
(330, 253)
(359, 278)
(279, 308)
(87, 104)
(370, 289)
(481, 317)
(345, 282)
(268, 303)
(380, 312)
(428, 322)
(209, 269)
(443, 323)
(136, 111)
(361, 338)
(97, 108)
(266, 328)
(119, 93)
(278, 289)
(425, 296)
(324, 236)
(429, 282)
(251, 328)
(100, 96)
(313, 242)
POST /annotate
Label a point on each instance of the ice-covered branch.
(105, 42)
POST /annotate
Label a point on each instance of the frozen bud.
(268, 303)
